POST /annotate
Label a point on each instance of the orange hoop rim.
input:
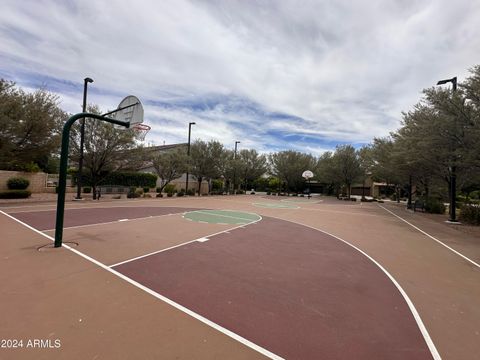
(141, 127)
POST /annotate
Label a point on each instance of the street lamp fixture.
(452, 80)
(453, 168)
(188, 151)
(82, 139)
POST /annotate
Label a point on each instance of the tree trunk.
(199, 184)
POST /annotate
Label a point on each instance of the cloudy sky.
(275, 75)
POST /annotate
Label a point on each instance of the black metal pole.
(82, 139)
(363, 189)
(409, 202)
(453, 186)
(235, 168)
(188, 152)
(62, 179)
(453, 175)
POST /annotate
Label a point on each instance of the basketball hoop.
(140, 131)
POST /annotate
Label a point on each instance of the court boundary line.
(226, 216)
(292, 207)
(201, 239)
(421, 326)
(157, 295)
(84, 207)
(432, 237)
(116, 221)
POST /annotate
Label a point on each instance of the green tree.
(170, 165)
(30, 128)
(106, 149)
(207, 160)
(328, 174)
(289, 165)
(346, 165)
(252, 165)
(365, 157)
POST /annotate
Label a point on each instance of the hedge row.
(131, 179)
(17, 183)
(470, 214)
(122, 179)
(15, 194)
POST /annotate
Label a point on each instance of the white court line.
(416, 315)
(114, 222)
(185, 243)
(226, 216)
(185, 310)
(86, 207)
(433, 238)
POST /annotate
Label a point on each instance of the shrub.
(170, 194)
(159, 189)
(31, 167)
(147, 195)
(17, 183)
(146, 189)
(268, 192)
(470, 214)
(217, 184)
(181, 193)
(475, 194)
(434, 206)
(15, 194)
(159, 195)
(169, 188)
(134, 193)
(190, 192)
(87, 189)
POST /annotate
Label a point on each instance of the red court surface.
(295, 291)
(282, 287)
(45, 220)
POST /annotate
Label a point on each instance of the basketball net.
(140, 130)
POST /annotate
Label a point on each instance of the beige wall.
(181, 182)
(37, 180)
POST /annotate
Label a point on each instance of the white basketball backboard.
(130, 110)
(307, 174)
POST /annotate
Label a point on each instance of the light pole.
(453, 168)
(235, 167)
(188, 152)
(82, 139)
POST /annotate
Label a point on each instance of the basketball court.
(238, 277)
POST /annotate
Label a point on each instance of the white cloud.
(344, 69)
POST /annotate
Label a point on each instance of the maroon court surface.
(45, 220)
(293, 290)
